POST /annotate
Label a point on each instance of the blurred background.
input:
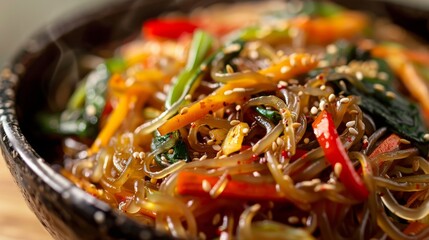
(18, 21)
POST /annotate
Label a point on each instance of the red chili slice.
(168, 28)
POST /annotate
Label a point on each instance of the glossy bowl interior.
(37, 78)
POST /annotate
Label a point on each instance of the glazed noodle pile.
(292, 125)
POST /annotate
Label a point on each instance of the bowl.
(47, 65)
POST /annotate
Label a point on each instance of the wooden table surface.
(17, 221)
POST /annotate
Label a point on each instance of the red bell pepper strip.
(327, 136)
(391, 143)
(167, 28)
(189, 183)
(415, 228)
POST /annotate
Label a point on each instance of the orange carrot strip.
(192, 184)
(218, 100)
(415, 84)
(291, 66)
(113, 123)
(401, 61)
(288, 67)
(421, 57)
(346, 25)
(415, 228)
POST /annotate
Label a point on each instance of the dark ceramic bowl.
(46, 66)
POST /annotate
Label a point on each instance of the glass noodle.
(281, 127)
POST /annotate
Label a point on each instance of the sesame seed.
(300, 93)
(90, 110)
(284, 69)
(282, 83)
(293, 220)
(383, 76)
(232, 48)
(353, 112)
(390, 94)
(314, 110)
(204, 157)
(404, 141)
(273, 146)
(210, 142)
(170, 151)
(227, 92)
(135, 154)
(238, 108)
(359, 76)
(163, 158)
(322, 104)
(234, 122)
(311, 183)
(229, 69)
(324, 186)
(331, 97)
(256, 174)
(379, 87)
(239, 90)
(280, 53)
(206, 186)
(331, 49)
(306, 140)
(344, 100)
(292, 61)
(350, 124)
(279, 166)
(245, 130)
(184, 110)
(216, 147)
(337, 169)
(323, 87)
(279, 141)
(353, 131)
(426, 137)
(142, 155)
(296, 125)
(253, 54)
(188, 97)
